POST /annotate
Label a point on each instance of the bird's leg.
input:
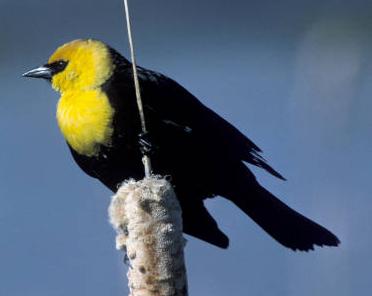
(146, 144)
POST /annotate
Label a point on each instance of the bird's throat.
(85, 119)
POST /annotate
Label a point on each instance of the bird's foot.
(146, 144)
(126, 260)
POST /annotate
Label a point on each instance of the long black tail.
(285, 225)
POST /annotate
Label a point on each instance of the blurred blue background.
(295, 76)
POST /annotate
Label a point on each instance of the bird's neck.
(85, 120)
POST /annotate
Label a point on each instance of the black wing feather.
(176, 104)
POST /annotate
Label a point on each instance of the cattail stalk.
(148, 220)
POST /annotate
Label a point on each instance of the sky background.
(295, 76)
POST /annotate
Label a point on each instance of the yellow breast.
(85, 119)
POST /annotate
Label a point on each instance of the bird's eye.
(58, 66)
(61, 65)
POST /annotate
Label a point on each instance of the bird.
(203, 154)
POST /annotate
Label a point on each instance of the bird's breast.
(85, 120)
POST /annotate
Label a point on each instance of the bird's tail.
(284, 224)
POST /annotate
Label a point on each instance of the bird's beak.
(41, 72)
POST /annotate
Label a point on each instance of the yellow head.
(81, 64)
(89, 65)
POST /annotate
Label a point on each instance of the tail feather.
(284, 224)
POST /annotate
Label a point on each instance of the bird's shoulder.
(174, 105)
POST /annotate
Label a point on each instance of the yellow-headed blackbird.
(203, 153)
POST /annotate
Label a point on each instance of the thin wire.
(146, 159)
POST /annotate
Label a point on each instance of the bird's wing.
(178, 107)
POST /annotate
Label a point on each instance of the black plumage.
(203, 154)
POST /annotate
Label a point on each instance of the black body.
(203, 154)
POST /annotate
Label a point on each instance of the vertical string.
(145, 159)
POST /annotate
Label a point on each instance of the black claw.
(146, 144)
(126, 260)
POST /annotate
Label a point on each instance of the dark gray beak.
(46, 71)
(41, 72)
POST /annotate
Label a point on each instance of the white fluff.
(148, 220)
